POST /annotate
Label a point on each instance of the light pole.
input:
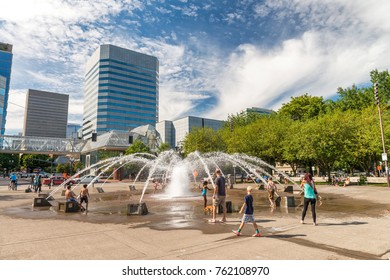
(384, 154)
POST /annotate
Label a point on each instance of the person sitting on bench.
(70, 196)
(347, 182)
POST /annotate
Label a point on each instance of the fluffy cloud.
(15, 111)
(332, 43)
(52, 40)
(343, 43)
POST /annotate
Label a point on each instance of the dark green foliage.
(309, 131)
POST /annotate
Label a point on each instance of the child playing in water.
(155, 184)
(272, 191)
(84, 195)
(248, 214)
(204, 193)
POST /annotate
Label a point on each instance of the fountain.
(178, 175)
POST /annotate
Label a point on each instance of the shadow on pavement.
(353, 223)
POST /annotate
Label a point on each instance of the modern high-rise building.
(121, 91)
(174, 132)
(46, 114)
(5, 77)
(166, 129)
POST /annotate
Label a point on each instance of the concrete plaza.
(353, 223)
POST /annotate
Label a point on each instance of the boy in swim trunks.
(248, 216)
(84, 195)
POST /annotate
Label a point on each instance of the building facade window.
(121, 90)
(5, 77)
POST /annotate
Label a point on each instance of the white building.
(174, 132)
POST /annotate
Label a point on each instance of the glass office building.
(121, 91)
(174, 132)
(5, 77)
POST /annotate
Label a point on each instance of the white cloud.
(76, 107)
(52, 40)
(341, 42)
(67, 11)
(15, 111)
(336, 51)
(175, 103)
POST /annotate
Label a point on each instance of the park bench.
(354, 181)
(376, 180)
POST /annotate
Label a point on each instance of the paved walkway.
(361, 234)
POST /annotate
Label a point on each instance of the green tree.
(9, 162)
(303, 107)
(203, 140)
(241, 119)
(328, 139)
(137, 147)
(291, 146)
(261, 138)
(366, 145)
(61, 168)
(77, 166)
(271, 136)
(164, 147)
(383, 80)
(30, 161)
(107, 154)
(354, 98)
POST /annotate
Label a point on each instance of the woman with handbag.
(310, 197)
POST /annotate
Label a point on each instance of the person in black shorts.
(84, 195)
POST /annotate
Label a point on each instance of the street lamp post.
(384, 155)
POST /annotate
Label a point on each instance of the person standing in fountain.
(219, 196)
(84, 195)
(204, 193)
(310, 196)
(248, 216)
(272, 190)
(155, 184)
(38, 183)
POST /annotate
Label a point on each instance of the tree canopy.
(309, 131)
(137, 147)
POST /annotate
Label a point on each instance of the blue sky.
(216, 57)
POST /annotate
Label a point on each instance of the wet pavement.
(342, 214)
(187, 212)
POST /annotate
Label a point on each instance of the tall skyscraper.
(46, 114)
(5, 77)
(121, 90)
